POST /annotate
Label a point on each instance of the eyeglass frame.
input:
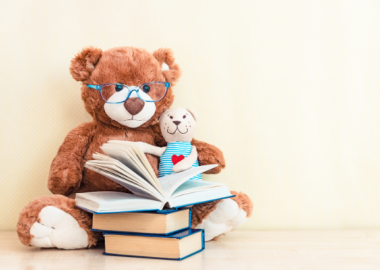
(99, 87)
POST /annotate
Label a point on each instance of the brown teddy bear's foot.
(220, 217)
(54, 221)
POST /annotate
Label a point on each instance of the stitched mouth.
(176, 131)
(132, 119)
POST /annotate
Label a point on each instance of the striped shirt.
(172, 155)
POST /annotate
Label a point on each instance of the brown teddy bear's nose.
(134, 105)
(177, 122)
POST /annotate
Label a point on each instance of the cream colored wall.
(289, 90)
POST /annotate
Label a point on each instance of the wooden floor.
(237, 250)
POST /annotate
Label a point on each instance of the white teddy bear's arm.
(187, 162)
(151, 149)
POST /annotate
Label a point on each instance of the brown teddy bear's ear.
(84, 63)
(170, 69)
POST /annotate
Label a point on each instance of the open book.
(127, 165)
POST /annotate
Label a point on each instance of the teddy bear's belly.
(93, 181)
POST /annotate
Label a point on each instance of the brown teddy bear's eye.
(146, 88)
(118, 88)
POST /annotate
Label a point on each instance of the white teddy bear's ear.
(192, 113)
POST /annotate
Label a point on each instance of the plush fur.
(243, 201)
(30, 214)
(220, 217)
(201, 211)
(132, 67)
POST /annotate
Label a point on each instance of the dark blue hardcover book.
(177, 246)
(163, 222)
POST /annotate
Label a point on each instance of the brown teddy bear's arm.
(66, 169)
(209, 154)
(158, 138)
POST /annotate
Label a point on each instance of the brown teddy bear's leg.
(222, 216)
(55, 221)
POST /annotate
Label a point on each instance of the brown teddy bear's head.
(128, 66)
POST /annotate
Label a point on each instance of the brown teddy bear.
(54, 221)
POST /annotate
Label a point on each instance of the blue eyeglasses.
(118, 93)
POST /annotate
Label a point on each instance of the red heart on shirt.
(176, 159)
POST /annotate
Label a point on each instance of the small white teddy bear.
(177, 127)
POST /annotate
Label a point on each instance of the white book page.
(135, 189)
(103, 159)
(204, 195)
(194, 186)
(114, 201)
(123, 158)
(170, 183)
(112, 168)
(139, 154)
(128, 162)
(105, 164)
(130, 153)
(108, 197)
(109, 168)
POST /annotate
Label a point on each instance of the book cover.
(163, 222)
(157, 210)
(177, 246)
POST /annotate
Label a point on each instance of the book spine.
(203, 239)
(107, 232)
(161, 258)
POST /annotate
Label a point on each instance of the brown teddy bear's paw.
(54, 221)
(222, 217)
(243, 201)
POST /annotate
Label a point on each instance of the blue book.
(162, 222)
(177, 246)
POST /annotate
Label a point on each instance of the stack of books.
(165, 234)
(154, 220)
